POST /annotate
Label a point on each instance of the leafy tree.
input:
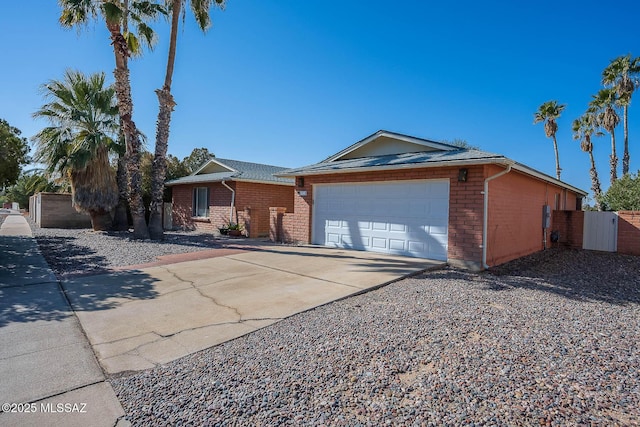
(604, 105)
(83, 123)
(197, 158)
(624, 194)
(461, 143)
(30, 183)
(200, 9)
(548, 113)
(620, 75)
(13, 153)
(584, 128)
(118, 15)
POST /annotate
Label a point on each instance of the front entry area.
(409, 218)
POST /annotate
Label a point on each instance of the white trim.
(229, 168)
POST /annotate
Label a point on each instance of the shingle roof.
(441, 158)
(245, 171)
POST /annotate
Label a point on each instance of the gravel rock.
(551, 340)
(80, 251)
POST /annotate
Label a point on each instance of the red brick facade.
(251, 206)
(570, 226)
(629, 232)
(515, 210)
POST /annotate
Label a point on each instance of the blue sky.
(291, 82)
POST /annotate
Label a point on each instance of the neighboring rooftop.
(216, 170)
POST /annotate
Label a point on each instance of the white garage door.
(401, 217)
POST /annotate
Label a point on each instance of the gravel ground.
(551, 339)
(80, 251)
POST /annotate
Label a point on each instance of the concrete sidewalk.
(49, 372)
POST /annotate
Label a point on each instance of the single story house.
(398, 194)
(227, 191)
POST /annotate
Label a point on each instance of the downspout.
(233, 201)
(485, 215)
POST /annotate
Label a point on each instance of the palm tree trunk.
(595, 182)
(625, 156)
(131, 136)
(120, 219)
(167, 104)
(100, 220)
(613, 158)
(555, 149)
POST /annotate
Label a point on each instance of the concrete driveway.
(139, 318)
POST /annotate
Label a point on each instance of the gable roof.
(216, 170)
(434, 154)
(407, 144)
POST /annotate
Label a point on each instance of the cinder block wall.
(56, 211)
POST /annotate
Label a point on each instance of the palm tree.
(117, 15)
(583, 129)
(548, 113)
(620, 75)
(200, 9)
(83, 121)
(604, 105)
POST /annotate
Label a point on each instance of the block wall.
(55, 210)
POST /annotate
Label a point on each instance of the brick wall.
(570, 225)
(251, 206)
(253, 201)
(629, 232)
(515, 214)
(515, 210)
(54, 210)
(465, 209)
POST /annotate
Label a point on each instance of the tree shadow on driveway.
(30, 293)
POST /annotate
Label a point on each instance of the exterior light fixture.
(462, 174)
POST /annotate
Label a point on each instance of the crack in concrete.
(210, 298)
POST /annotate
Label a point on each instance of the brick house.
(398, 194)
(227, 191)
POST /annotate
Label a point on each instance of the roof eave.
(403, 166)
(529, 171)
(499, 161)
(256, 181)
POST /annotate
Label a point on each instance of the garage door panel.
(396, 245)
(398, 227)
(401, 217)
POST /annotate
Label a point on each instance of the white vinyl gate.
(600, 231)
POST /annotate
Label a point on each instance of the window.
(201, 202)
